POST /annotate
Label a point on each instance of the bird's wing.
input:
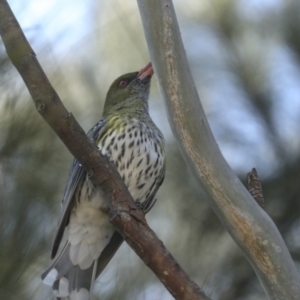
(76, 178)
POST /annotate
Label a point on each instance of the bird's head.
(129, 92)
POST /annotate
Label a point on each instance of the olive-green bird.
(128, 136)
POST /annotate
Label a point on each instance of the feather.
(77, 176)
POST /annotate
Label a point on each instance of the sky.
(73, 17)
(71, 20)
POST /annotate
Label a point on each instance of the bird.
(127, 135)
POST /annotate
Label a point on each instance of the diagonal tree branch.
(248, 224)
(129, 221)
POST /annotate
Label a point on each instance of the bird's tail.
(69, 281)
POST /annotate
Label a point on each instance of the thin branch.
(129, 221)
(254, 187)
(250, 226)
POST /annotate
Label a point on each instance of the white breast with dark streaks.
(138, 155)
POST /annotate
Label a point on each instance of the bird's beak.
(145, 72)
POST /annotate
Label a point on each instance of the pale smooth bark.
(250, 227)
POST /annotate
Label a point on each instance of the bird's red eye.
(123, 83)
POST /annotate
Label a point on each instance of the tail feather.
(81, 279)
(61, 265)
(69, 281)
(108, 252)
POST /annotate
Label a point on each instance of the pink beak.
(146, 71)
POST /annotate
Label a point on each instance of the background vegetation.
(245, 57)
